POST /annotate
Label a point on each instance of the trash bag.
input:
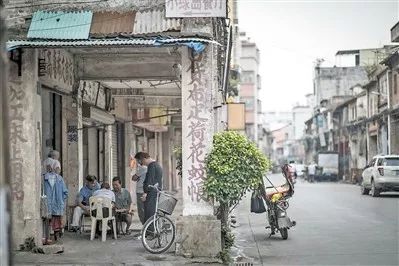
(257, 204)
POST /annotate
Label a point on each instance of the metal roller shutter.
(114, 151)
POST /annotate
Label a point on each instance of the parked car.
(381, 175)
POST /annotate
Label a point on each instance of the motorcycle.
(276, 199)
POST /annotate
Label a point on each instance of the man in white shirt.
(312, 171)
(292, 170)
(105, 192)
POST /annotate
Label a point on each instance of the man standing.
(139, 178)
(153, 176)
(83, 200)
(123, 203)
(292, 170)
(312, 171)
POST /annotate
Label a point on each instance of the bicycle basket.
(167, 203)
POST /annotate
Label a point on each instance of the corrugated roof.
(83, 43)
(154, 20)
(13, 44)
(60, 25)
(106, 23)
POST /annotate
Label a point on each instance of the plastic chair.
(101, 210)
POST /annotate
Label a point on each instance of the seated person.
(105, 192)
(123, 203)
(83, 200)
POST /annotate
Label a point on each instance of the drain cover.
(243, 263)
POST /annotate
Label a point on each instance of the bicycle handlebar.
(156, 187)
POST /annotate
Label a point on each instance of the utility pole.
(5, 225)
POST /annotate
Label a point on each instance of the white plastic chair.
(98, 204)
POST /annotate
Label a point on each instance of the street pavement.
(335, 226)
(126, 250)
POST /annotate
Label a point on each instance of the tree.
(234, 166)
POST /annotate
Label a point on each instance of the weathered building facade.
(136, 81)
(360, 124)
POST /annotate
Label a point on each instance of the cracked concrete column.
(199, 89)
(25, 137)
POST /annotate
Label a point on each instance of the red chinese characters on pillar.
(17, 139)
(197, 120)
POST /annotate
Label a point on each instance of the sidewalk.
(126, 250)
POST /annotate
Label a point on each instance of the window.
(248, 77)
(395, 83)
(249, 103)
(391, 161)
(383, 85)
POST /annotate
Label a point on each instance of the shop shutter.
(114, 151)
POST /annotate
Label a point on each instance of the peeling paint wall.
(25, 129)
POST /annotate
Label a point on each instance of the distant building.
(273, 120)
(299, 115)
(250, 85)
(330, 82)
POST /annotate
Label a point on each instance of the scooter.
(277, 204)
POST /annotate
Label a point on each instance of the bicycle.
(159, 231)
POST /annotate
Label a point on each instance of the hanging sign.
(196, 8)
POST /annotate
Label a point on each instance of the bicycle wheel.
(158, 236)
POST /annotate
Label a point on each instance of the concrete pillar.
(25, 161)
(166, 158)
(71, 166)
(198, 90)
(158, 140)
(80, 138)
(197, 129)
(92, 167)
(5, 223)
(130, 151)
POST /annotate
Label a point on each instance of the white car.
(381, 175)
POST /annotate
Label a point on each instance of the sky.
(291, 34)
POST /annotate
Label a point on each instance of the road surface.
(335, 226)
